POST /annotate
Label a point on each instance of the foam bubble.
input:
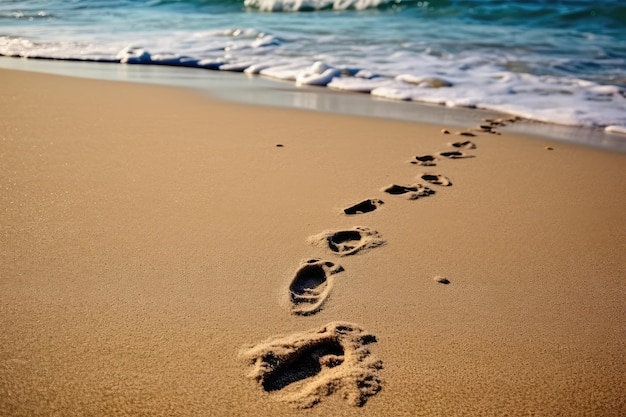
(285, 72)
(318, 74)
(134, 55)
(358, 85)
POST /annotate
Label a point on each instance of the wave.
(551, 99)
(605, 13)
(26, 15)
(611, 13)
(315, 5)
(506, 56)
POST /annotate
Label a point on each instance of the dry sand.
(150, 240)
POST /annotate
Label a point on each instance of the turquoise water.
(561, 62)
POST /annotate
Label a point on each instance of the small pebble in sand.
(549, 148)
(445, 131)
(279, 145)
(442, 280)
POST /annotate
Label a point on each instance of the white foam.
(363, 74)
(134, 55)
(86, 51)
(267, 40)
(318, 74)
(256, 68)
(173, 59)
(306, 5)
(465, 79)
(543, 98)
(424, 81)
(358, 85)
(210, 63)
(285, 72)
(620, 130)
(235, 67)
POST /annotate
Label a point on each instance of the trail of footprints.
(303, 368)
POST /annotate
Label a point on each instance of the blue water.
(561, 62)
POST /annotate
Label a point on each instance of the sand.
(154, 248)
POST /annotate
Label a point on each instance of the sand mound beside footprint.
(305, 367)
(348, 241)
(311, 286)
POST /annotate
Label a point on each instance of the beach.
(157, 244)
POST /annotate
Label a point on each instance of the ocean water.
(561, 62)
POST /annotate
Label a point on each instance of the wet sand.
(160, 254)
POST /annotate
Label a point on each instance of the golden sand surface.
(161, 255)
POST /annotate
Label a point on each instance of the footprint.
(495, 122)
(348, 241)
(305, 367)
(311, 286)
(485, 128)
(425, 160)
(469, 134)
(437, 179)
(364, 206)
(455, 155)
(412, 192)
(464, 145)
(502, 122)
(490, 127)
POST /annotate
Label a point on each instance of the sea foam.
(310, 5)
(392, 49)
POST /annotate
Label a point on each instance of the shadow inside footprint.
(303, 368)
(399, 189)
(412, 192)
(424, 160)
(437, 179)
(311, 286)
(364, 206)
(348, 242)
(304, 364)
(464, 145)
(344, 241)
(455, 155)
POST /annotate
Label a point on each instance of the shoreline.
(156, 243)
(258, 90)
